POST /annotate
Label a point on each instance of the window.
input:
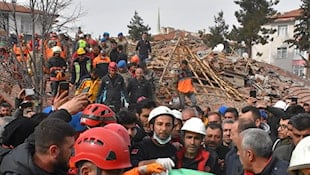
(26, 25)
(282, 30)
(296, 52)
(298, 70)
(282, 53)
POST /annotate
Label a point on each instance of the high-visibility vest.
(77, 68)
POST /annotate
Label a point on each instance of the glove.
(151, 168)
(126, 105)
(167, 163)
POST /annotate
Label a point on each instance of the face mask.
(160, 141)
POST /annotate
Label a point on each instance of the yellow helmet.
(81, 51)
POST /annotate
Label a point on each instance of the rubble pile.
(221, 78)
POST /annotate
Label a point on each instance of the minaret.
(158, 21)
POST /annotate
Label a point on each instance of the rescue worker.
(90, 84)
(81, 67)
(37, 43)
(57, 67)
(21, 51)
(102, 151)
(112, 91)
(192, 155)
(49, 44)
(300, 160)
(95, 115)
(102, 63)
(185, 86)
(157, 149)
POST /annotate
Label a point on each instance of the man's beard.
(61, 163)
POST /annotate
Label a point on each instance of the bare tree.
(47, 15)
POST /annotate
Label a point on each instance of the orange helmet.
(96, 114)
(121, 130)
(103, 147)
(135, 59)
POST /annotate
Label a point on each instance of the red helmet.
(113, 65)
(96, 114)
(121, 130)
(103, 147)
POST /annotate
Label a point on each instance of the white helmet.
(160, 110)
(56, 49)
(195, 125)
(280, 104)
(177, 114)
(301, 155)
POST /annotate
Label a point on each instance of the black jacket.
(19, 162)
(144, 47)
(57, 63)
(137, 88)
(111, 90)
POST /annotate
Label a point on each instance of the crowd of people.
(114, 124)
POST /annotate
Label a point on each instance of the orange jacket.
(99, 59)
(21, 51)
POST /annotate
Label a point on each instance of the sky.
(113, 16)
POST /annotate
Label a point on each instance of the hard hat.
(96, 114)
(121, 64)
(121, 130)
(135, 59)
(301, 155)
(120, 34)
(160, 110)
(81, 51)
(81, 35)
(103, 147)
(113, 66)
(280, 104)
(195, 125)
(177, 114)
(56, 49)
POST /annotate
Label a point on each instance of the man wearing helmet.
(57, 67)
(100, 151)
(95, 115)
(192, 155)
(300, 160)
(158, 148)
(112, 89)
(82, 66)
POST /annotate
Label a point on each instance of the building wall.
(278, 52)
(24, 24)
